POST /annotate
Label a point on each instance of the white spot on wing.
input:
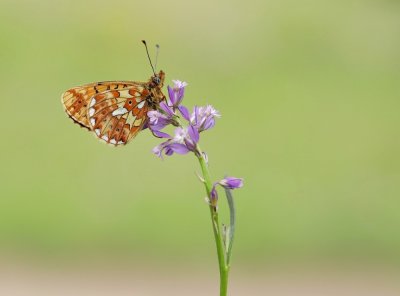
(97, 131)
(91, 111)
(92, 121)
(125, 93)
(105, 138)
(92, 102)
(119, 111)
(140, 105)
(120, 142)
(112, 141)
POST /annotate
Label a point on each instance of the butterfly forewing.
(76, 100)
(116, 116)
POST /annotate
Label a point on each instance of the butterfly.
(116, 111)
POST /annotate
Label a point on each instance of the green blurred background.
(309, 93)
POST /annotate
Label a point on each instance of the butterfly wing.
(116, 116)
(76, 100)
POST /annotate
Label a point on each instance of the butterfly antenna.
(145, 45)
(157, 50)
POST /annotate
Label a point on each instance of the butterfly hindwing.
(116, 116)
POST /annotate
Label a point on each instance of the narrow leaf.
(232, 222)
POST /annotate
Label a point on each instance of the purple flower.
(203, 118)
(184, 141)
(176, 93)
(231, 182)
(166, 113)
(228, 183)
(158, 119)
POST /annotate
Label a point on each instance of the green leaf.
(230, 231)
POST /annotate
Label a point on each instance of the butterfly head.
(158, 79)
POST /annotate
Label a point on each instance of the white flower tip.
(157, 150)
(179, 84)
(212, 111)
(180, 135)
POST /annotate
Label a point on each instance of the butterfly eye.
(156, 80)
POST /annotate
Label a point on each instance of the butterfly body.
(114, 110)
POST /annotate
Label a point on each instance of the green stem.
(223, 267)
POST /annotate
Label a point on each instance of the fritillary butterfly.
(114, 110)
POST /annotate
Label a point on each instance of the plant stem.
(223, 267)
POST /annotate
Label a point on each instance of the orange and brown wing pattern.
(76, 100)
(116, 116)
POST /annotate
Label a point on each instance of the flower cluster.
(188, 127)
(185, 138)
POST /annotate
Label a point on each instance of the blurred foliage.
(309, 95)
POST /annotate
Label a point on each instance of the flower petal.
(171, 95)
(194, 134)
(160, 134)
(180, 135)
(208, 123)
(166, 109)
(231, 182)
(185, 112)
(178, 148)
(168, 151)
(179, 96)
(194, 116)
(179, 84)
(153, 116)
(158, 150)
